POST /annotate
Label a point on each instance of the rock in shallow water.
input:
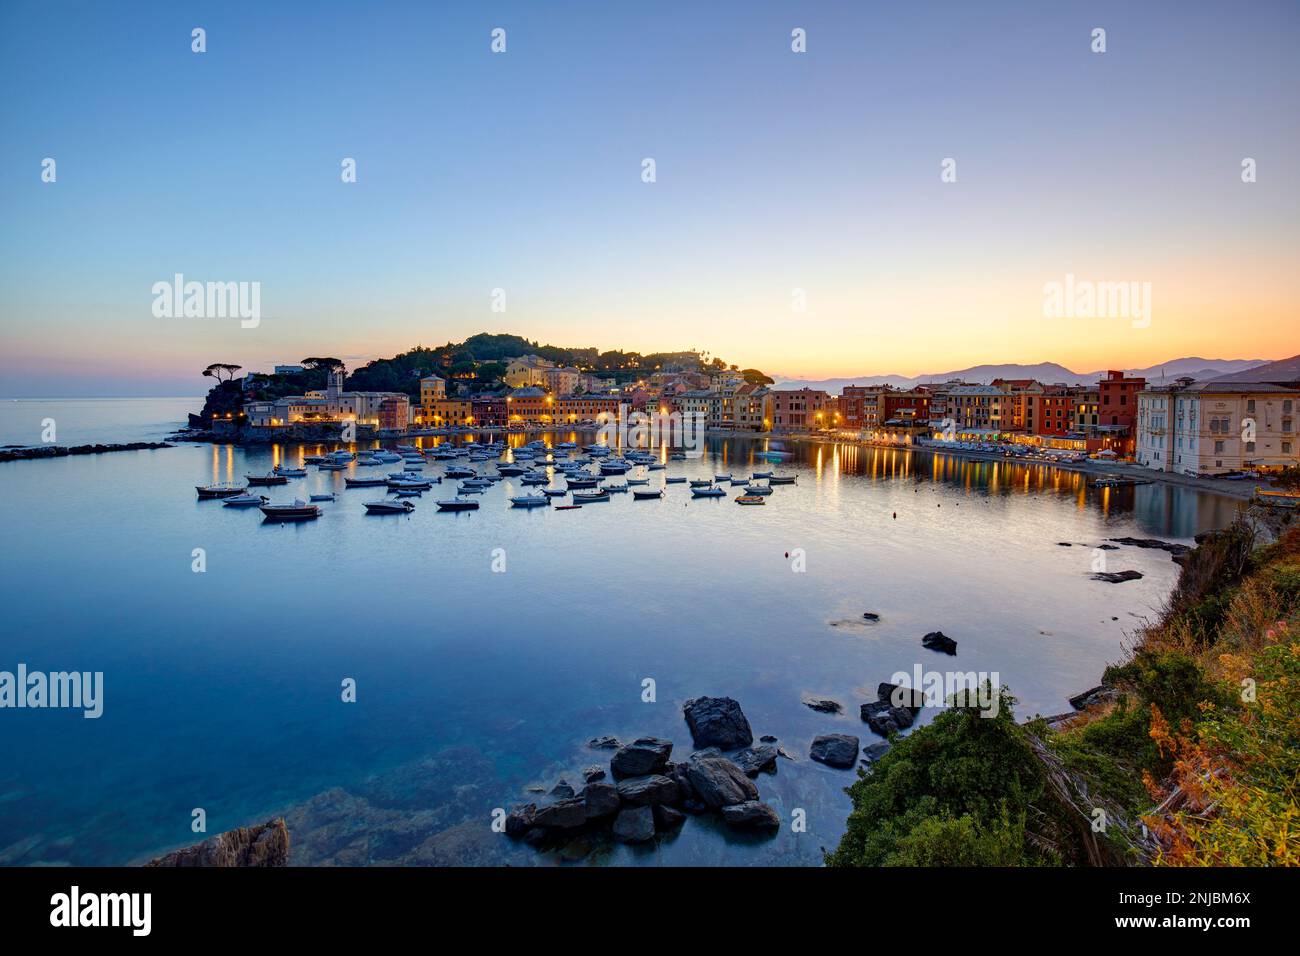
(643, 756)
(717, 722)
(601, 800)
(604, 743)
(939, 641)
(562, 815)
(835, 750)
(753, 760)
(634, 825)
(751, 815)
(822, 706)
(654, 788)
(1117, 577)
(265, 845)
(718, 782)
(884, 718)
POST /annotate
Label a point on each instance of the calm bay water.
(222, 688)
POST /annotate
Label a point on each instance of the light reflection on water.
(222, 688)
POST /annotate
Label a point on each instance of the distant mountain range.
(1048, 373)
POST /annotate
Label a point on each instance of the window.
(1286, 448)
(1250, 405)
(1218, 448)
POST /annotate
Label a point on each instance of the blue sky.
(521, 171)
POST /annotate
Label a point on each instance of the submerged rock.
(634, 825)
(939, 641)
(562, 790)
(666, 818)
(1171, 546)
(520, 820)
(826, 706)
(592, 774)
(1117, 577)
(753, 760)
(768, 738)
(604, 743)
(870, 616)
(875, 751)
(718, 782)
(643, 756)
(751, 815)
(835, 750)
(264, 845)
(717, 722)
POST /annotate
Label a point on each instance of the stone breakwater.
(17, 453)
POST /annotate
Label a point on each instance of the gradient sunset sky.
(776, 171)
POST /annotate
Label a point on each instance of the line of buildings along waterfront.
(1240, 422)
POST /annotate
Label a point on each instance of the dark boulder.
(898, 696)
(562, 790)
(592, 774)
(875, 751)
(643, 756)
(939, 641)
(822, 706)
(751, 815)
(604, 743)
(753, 760)
(717, 722)
(835, 750)
(768, 738)
(654, 788)
(601, 800)
(718, 782)
(666, 818)
(520, 820)
(885, 719)
(634, 825)
(1117, 577)
(562, 814)
(870, 616)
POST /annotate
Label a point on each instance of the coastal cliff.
(265, 845)
(1186, 756)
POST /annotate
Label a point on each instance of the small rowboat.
(646, 494)
(389, 507)
(675, 481)
(554, 492)
(298, 511)
(760, 474)
(219, 491)
(328, 497)
(726, 477)
(458, 504)
(364, 482)
(750, 500)
(585, 496)
(757, 490)
(708, 493)
(782, 479)
(270, 478)
(701, 482)
(568, 507)
(291, 472)
(615, 488)
(582, 483)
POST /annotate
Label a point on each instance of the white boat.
(325, 497)
(582, 497)
(530, 501)
(616, 487)
(389, 507)
(291, 472)
(245, 501)
(554, 492)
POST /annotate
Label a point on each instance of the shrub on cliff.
(956, 792)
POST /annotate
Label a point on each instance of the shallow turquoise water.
(222, 688)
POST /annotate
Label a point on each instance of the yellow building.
(443, 412)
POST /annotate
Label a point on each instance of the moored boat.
(364, 482)
(530, 501)
(701, 482)
(584, 496)
(782, 479)
(297, 511)
(750, 500)
(645, 494)
(680, 480)
(388, 507)
(220, 491)
(457, 504)
(324, 497)
(245, 501)
(757, 490)
(291, 472)
(708, 493)
(270, 478)
(575, 482)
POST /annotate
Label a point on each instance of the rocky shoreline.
(25, 453)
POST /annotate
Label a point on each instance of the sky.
(775, 171)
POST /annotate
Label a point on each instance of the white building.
(1210, 428)
(331, 405)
